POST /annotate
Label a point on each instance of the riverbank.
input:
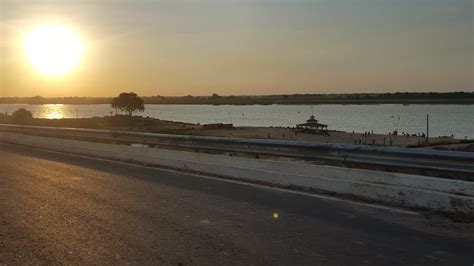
(142, 124)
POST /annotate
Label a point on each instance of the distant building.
(313, 126)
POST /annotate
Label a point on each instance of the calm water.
(444, 119)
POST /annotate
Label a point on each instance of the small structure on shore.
(313, 126)
(217, 126)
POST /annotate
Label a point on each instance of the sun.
(53, 49)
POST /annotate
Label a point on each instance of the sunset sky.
(198, 47)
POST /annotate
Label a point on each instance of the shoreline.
(153, 125)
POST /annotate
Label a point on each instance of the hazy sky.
(198, 47)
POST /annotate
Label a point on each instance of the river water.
(444, 120)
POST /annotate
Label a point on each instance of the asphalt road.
(64, 209)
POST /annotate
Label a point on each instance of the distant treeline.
(353, 98)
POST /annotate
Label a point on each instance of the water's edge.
(444, 119)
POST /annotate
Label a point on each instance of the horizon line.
(251, 95)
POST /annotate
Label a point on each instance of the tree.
(37, 100)
(215, 96)
(128, 102)
(22, 115)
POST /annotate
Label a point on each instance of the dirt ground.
(142, 124)
(333, 137)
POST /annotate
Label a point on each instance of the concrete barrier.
(413, 191)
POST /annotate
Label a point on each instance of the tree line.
(355, 98)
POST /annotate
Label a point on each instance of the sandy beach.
(153, 125)
(333, 137)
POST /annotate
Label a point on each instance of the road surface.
(59, 208)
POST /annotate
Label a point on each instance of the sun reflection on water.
(54, 111)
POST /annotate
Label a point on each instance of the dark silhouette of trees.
(37, 100)
(128, 102)
(356, 98)
(22, 115)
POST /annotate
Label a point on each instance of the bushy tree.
(22, 115)
(215, 96)
(128, 102)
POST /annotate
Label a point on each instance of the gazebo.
(313, 126)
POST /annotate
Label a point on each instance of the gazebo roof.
(312, 119)
(312, 123)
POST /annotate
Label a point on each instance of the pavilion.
(313, 126)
